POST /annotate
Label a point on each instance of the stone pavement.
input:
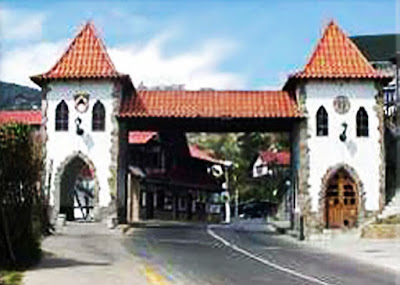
(89, 253)
(382, 253)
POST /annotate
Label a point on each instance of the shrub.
(20, 195)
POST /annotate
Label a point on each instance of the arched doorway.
(341, 200)
(77, 188)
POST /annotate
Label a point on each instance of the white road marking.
(264, 261)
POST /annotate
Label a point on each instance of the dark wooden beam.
(211, 124)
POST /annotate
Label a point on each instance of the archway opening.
(77, 190)
(341, 200)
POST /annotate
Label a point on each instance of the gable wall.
(361, 153)
(94, 145)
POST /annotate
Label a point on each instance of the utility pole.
(236, 203)
(227, 204)
(236, 215)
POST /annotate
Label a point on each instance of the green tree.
(242, 149)
(21, 167)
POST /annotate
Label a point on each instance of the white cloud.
(195, 68)
(18, 64)
(20, 24)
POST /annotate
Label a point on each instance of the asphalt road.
(193, 255)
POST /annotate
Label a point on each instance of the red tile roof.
(141, 137)
(26, 117)
(280, 158)
(202, 154)
(336, 56)
(210, 104)
(86, 57)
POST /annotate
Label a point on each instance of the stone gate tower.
(341, 176)
(81, 95)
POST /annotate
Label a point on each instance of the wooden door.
(341, 201)
(350, 204)
(333, 206)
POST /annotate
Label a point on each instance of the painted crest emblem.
(81, 102)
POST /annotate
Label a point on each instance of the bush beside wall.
(21, 219)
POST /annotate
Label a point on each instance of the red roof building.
(28, 117)
(202, 154)
(268, 161)
(141, 137)
(280, 157)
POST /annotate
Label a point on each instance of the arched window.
(98, 117)
(322, 122)
(62, 116)
(362, 123)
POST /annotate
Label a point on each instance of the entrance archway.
(341, 198)
(213, 111)
(77, 188)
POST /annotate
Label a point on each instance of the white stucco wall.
(94, 145)
(361, 153)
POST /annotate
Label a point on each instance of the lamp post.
(237, 203)
(290, 194)
(228, 165)
(225, 198)
(217, 171)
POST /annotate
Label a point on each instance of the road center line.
(264, 261)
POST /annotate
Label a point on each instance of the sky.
(218, 44)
